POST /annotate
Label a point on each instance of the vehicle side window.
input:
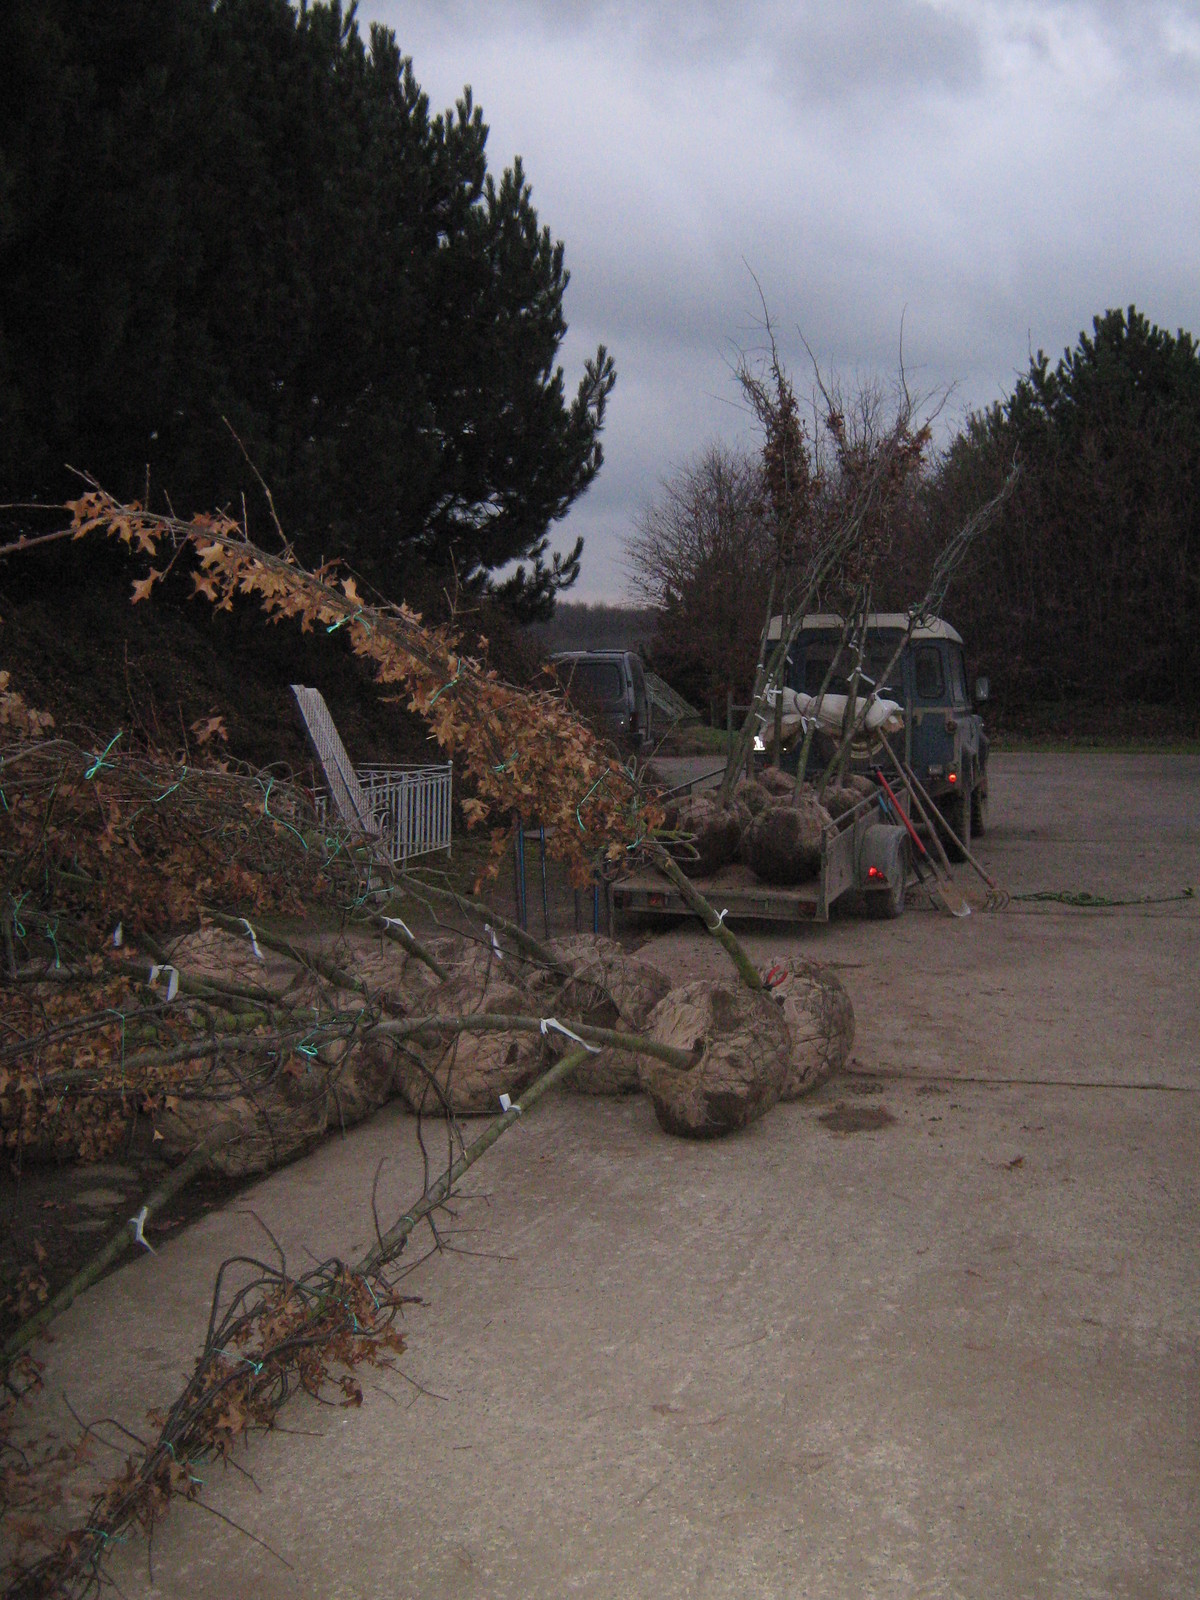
(958, 680)
(930, 680)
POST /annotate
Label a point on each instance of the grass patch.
(1092, 744)
(697, 740)
(1063, 726)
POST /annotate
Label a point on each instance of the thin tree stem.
(715, 924)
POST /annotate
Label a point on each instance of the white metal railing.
(409, 808)
(404, 808)
(412, 806)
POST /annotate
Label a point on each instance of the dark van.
(613, 681)
(943, 740)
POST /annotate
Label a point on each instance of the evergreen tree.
(1091, 583)
(239, 209)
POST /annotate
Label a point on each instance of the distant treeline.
(577, 625)
(234, 232)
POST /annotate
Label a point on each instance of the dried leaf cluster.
(516, 751)
(276, 1335)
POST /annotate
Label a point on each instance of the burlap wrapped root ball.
(715, 831)
(401, 980)
(608, 989)
(783, 843)
(360, 1079)
(820, 1020)
(465, 1074)
(839, 799)
(474, 959)
(842, 797)
(775, 782)
(213, 953)
(260, 1117)
(745, 1045)
(752, 795)
(252, 1121)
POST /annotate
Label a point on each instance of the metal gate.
(403, 808)
(411, 805)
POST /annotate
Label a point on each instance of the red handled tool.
(899, 810)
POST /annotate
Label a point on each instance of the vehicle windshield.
(880, 647)
(928, 676)
(599, 680)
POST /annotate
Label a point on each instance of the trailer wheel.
(885, 848)
(885, 904)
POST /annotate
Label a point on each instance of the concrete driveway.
(952, 1355)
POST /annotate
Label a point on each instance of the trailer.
(864, 857)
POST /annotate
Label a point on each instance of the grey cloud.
(869, 46)
(993, 171)
(825, 50)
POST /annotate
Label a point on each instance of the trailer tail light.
(952, 777)
(874, 874)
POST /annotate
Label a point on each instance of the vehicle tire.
(979, 812)
(957, 810)
(886, 904)
(887, 848)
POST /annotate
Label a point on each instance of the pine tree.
(244, 211)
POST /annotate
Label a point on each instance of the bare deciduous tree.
(702, 555)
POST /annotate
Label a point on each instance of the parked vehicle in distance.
(944, 741)
(614, 683)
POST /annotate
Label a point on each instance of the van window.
(930, 680)
(878, 656)
(958, 681)
(639, 677)
(601, 680)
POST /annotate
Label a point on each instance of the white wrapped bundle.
(829, 711)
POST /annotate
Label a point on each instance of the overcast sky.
(992, 172)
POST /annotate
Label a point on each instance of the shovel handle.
(899, 809)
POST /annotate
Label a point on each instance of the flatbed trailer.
(861, 853)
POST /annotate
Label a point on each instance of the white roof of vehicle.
(892, 621)
(587, 655)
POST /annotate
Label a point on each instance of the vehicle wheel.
(979, 813)
(885, 904)
(887, 848)
(957, 810)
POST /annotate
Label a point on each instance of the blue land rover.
(943, 740)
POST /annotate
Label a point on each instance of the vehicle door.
(931, 730)
(639, 728)
(969, 726)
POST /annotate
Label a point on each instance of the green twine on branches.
(100, 763)
(1082, 899)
